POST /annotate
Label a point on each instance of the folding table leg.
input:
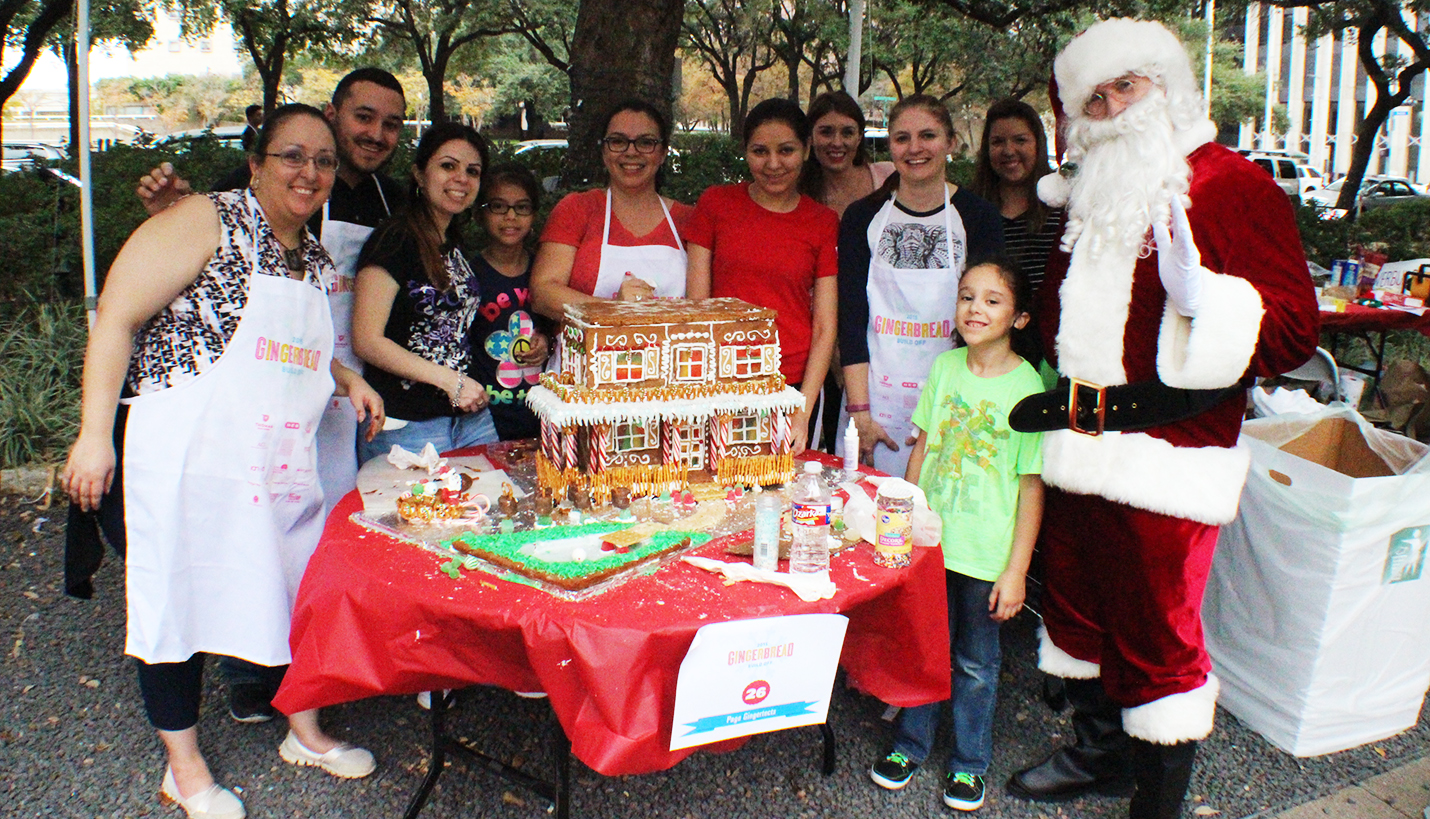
(561, 749)
(438, 760)
(828, 733)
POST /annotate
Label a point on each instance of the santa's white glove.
(1179, 262)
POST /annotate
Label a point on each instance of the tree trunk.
(1360, 155)
(437, 103)
(619, 50)
(737, 115)
(271, 79)
(792, 67)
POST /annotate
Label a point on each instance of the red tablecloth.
(377, 616)
(1358, 319)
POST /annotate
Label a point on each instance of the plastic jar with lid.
(894, 525)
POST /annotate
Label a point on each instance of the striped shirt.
(1030, 250)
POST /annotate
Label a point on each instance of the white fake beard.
(1129, 168)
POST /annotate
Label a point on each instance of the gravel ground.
(74, 741)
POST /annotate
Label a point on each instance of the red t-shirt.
(768, 259)
(580, 218)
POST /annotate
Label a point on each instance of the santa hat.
(1111, 48)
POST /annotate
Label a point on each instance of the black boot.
(1162, 773)
(1097, 762)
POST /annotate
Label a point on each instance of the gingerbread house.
(654, 394)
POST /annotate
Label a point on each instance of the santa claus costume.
(1155, 338)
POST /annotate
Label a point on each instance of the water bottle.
(851, 452)
(811, 513)
(769, 506)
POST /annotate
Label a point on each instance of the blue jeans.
(977, 656)
(445, 433)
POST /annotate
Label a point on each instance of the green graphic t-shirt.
(972, 460)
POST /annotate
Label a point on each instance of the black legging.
(173, 691)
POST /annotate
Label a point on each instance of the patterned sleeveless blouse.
(185, 338)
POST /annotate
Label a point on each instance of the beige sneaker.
(213, 803)
(345, 761)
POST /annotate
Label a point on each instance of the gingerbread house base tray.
(521, 556)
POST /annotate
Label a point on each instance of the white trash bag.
(1317, 610)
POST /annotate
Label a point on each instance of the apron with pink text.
(337, 434)
(910, 323)
(222, 502)
(660, 266)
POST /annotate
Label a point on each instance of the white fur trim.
(1059, 663)
(1175, 717)
(1211, 350)
(1192, 138)
(1054, 189)
(1094, 300)
(1111, 48)
(1197, 483)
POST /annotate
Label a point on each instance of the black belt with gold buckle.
(1092, 409)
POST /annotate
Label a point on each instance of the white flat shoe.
(344, 761)
(213, 803)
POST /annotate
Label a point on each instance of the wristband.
(853, 408)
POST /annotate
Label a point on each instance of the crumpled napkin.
(428, 459)
(859, 513)
(809, 587)
(1282, 401)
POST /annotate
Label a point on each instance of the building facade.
(1326, 93)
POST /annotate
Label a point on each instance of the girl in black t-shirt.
(509, 342)
(415, 300)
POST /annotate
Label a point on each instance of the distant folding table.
(1369, 324)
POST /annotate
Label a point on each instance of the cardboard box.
(1336, 443)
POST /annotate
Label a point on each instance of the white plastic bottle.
(811, 502)
(851, 452)
(769, 506)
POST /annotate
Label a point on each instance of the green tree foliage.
(180, 99)
(272, 31)
(435, 30)
(27, 26)
(950, 55)
(733, 40)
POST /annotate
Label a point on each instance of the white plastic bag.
(1318, 604)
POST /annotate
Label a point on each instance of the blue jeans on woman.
(977, 655)
(446, 433)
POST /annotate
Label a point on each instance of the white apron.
(338, 432)
(660, 266)
(908, 310)
(221, 498)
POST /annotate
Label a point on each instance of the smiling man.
(1179, 278)
(366, 113)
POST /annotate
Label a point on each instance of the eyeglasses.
(499, 208)
(1123, 91)
(618, 143)
(294, 158)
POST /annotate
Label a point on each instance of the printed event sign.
(751, 676)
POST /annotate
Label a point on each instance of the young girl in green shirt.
(982, 478)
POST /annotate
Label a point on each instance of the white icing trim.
(1213, 349)
(548, 406)
(1192, 138)
(1175, 718)
(1197, 483)
(1059, 663)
